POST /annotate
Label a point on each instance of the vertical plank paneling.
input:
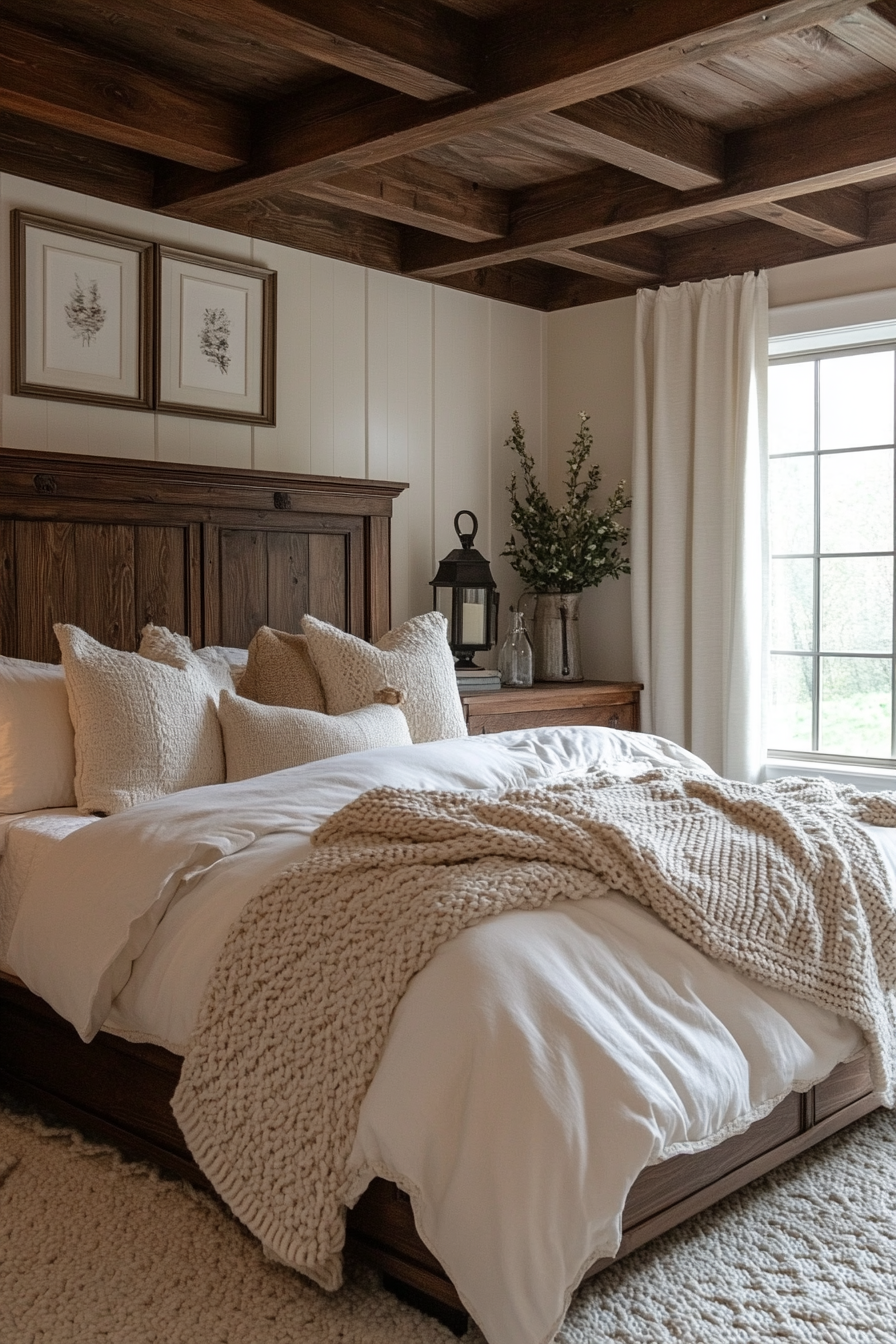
(46, 564)
(378, 363)
(323, 392)
(515, 361)
(287, 580)
(104, 556)
(85, 575)
(194, 585)
(349, 370)
(286, 446)
(378, 599)
(327, 563)
(8, 640)
(244, 591)
(211, 585)
(160, 577)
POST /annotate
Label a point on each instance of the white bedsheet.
(533, 1068)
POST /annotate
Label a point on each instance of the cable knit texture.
(413, 658)
(280, 671)
(775, 879)
(143, 729)
(259, 739)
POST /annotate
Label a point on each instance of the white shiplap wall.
(376, 376)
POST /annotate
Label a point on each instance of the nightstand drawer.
(601, 704)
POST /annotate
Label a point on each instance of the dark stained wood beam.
(638, 133)
(639, 260)
(323, 229)
(530, 284)
(871, 30)
(735, 249)
(836, 218)
(418, 47)
(72, 89)
(832, 147)
(409, 191)
(541, 58)
(45, 154)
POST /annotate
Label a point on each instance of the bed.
(109, 545)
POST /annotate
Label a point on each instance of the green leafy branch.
(565, 549)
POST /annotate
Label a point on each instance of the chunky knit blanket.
(777, 880)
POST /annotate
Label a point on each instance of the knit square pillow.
(143, 729)
(166, 646)
(259, 739)
(280, 671)
(414, 658)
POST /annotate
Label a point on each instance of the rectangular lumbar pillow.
(414, 658)
(280, 671)
(259, 739)
(143, 728)
(37, 744)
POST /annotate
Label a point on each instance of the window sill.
(868, 778)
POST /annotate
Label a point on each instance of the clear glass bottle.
(515, 658)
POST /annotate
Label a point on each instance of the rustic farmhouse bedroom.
(447, 671)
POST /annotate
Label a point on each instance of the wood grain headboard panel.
(109, 544)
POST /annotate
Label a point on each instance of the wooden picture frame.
(81, 313)
(215, 324)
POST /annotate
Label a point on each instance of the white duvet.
(534, 1067)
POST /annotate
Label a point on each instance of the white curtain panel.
(699, 569)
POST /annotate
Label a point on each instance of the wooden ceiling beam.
(75, 162)
(541, 58)
(639, 260)
(417, 47)
(635, 132)
(409, 191)
(62, 85)
(836, 218)
(819, 151)
(871, 30)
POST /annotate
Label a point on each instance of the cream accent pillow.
(414, 658)
(259, 739)
(142, 729)
(37, 745)
(162, 645)
(280, 672)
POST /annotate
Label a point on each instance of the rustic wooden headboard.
(110, 544)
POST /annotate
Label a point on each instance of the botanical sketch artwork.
(214, 338)
(84, 312)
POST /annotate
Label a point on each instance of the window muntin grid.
(832, 514)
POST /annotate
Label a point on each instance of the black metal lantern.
(465, 592)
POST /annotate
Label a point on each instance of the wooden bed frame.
(110, 544)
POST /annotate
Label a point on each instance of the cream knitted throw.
(777, 880)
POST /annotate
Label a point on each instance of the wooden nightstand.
(606, 704)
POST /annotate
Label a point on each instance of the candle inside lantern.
(473, 623)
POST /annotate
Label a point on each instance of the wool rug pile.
(93, 1248)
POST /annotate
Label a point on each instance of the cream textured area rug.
(93, 1249)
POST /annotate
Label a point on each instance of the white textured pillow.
(414, 658)
(259, 739)
(162, 645)
(143, 729)
(37, 745)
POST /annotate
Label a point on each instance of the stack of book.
(477, 679)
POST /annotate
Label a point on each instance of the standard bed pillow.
(143, 729)
(280, 671)
(259, 739)
(37, 745)
(414, 658)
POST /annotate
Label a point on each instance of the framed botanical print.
(215, 335)
(81, 313)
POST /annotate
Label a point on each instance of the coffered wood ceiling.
(546, 152)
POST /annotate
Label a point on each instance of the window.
(832, 430)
